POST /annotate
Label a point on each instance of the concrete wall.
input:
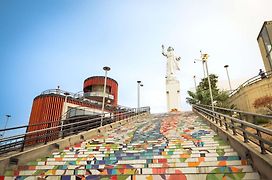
(245, 97)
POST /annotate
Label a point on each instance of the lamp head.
(106, 68)
(66, 94)
(204, 57)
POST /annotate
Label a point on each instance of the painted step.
(120, 153)
(138, 161)
(172, 148)
(177, 160)
(151, 165)
(238, 176)
(181, 142)
(181, 156)
(186, 142)
(106, 157)
(131, 171)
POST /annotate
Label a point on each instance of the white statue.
(172, 62)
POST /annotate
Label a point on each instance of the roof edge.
(100, 77)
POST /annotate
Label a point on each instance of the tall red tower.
(93, 89)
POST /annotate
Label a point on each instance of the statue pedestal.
(173, 94)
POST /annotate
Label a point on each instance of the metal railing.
(249, 131)
(42, 133)
(250, 81)
(242, 115)
(80, 97)
(99, 94)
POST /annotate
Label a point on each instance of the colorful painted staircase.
(169, 146)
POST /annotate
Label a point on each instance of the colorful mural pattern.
(168, 146)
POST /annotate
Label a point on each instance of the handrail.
(53, 129)
(25, 126)
(238, 126)
(250, 81)
(238, 111)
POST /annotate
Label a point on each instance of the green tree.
(202, 94)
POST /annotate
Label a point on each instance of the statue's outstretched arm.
(178, 58)
(163, 53)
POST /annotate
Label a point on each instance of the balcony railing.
(99, 94)
(79, 96)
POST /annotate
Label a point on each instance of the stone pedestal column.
(173, 95)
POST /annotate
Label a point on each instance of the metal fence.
(79, 96)
(48, 131)
(237, 126)
(242, 115)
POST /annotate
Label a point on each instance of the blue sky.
(48, 43)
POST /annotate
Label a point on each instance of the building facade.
(52, 106)
(265, 44)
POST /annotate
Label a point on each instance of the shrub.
(263, 102)
(260, 120)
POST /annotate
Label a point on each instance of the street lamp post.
(106, 69)
(138, 92)
(203, 62)
(205, 59)
(226, 66)
(7, 118)
(141, 85)
(138, 95)
(195, 81)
